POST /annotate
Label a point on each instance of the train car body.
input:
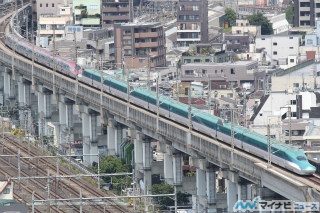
(42, 56)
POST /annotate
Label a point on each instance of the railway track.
(62, 188)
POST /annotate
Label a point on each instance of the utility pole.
(189, 109)
(269, 146)
(32, 67)
(122, 62)
(97, 52)
(177, 81)
(209, 96)
(290, 132)
(54, 59)
(157, 90)
(75, 47)
(149, 67)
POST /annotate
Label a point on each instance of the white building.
(279, 23)
(279, 49)
(243, 27)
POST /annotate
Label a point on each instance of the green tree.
(259, 20)
(230, 16)
(111, 164)
(164, 202)
(163, 188)
(290, 13)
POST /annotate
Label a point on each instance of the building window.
(275, 43)
(188, 72)
(263, 39)
(127, 42)
(52, 4)
(142, 60)
(47, 5)
(195, 8)
(296, 85)
(291, 60)
(127, 32)
(40, 5)
(290, 37)
(293, 102)
(275, 53)
(63, 10)
(290, 47)
(6, 191)
(232, 71)
(204, 72)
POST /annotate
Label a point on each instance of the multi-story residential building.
(237, 43)
(277, 49)
(243, 27)
(205, 53)
(45, 7)
(50, 25)
(115, 11)
(86, 13)
(306, 12)
(235, 73)
(192, 22)
(246, 10)
(140, 45)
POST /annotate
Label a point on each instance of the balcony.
(146, 44)
(146, 35)
(115, 9)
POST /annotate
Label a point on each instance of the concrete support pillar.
(138, 148)
(47, 107)
(146, 163)
(119, 137)
(201, 187)
(41, 109)
(69, 108)
(6, 83)
(21, 93)
(249, 191)
(111, 137)
(93, 127)
(12, 90)
(211, 178)
(27, 96)
(232, 191)
(86, 126)
(177, 168)
(168, 164)
(62, 114)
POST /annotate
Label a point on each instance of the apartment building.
(192, 22)
(115, 11)
(306, 12)
(278, 48)
(46, 7)
(86, 13)
(243, 27)
(140, 45)
(235, 73)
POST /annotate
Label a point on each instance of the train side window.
(301, 158)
